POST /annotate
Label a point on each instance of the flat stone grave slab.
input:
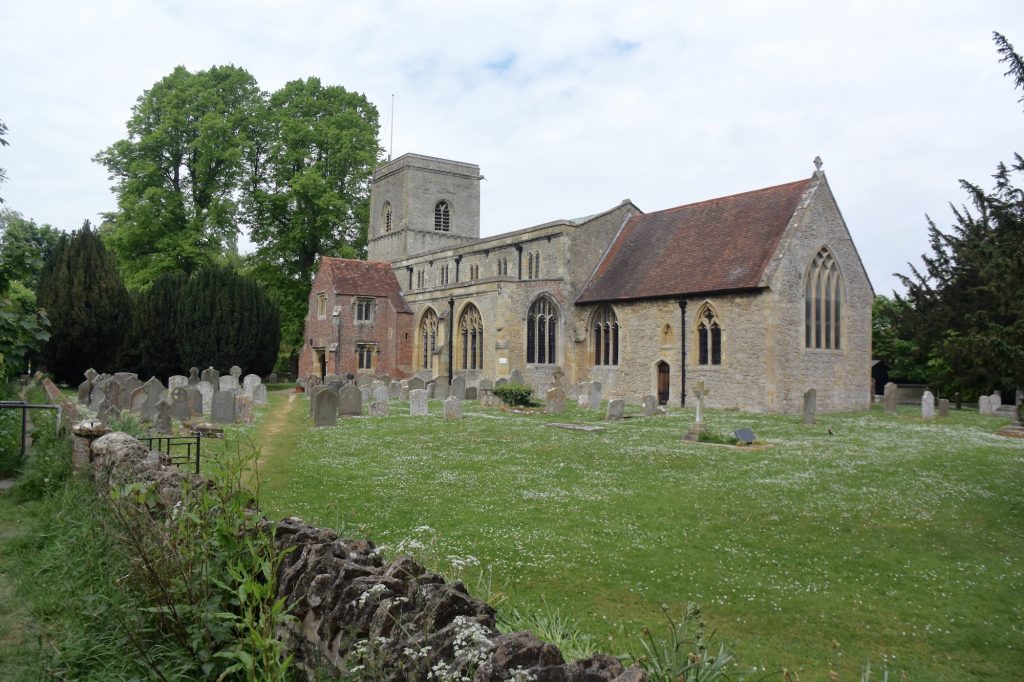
(576, 427)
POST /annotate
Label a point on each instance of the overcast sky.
(568, 107)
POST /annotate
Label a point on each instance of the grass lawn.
(901, 540)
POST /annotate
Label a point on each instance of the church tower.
(422, 203)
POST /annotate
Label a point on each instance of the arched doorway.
(663, 373)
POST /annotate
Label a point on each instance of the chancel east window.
(541, 332)
(709, 336)
(428, 338)
(605, 329)
(471, 331)
(442, 216)
(823, 303)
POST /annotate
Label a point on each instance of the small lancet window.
(823, 302)
(605, 328)
(387, 217)
(442, 216)
(709, 336)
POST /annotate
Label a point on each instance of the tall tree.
(308, 188)
(3, 143)
(24, 247)
(966, 311)
(177, 174)
(87, 303)
(156, 326)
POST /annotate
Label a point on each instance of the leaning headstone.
(116, 397)
(243, 409)
(137, 402)
(380, 394)
(99, 394)
(259, 394)
(179, 404)
(325, 408)
(222, 410)
(441, 390)
(429, 387)
(471, 392)
(350, 401)
(500, 382)
(452, 408)
(379, 408)
(486, 384)
(193, 376)
(154, 392)
(210, 376)
(394, 390)
(458, 388)
(943, 407)
(416, 383)
(595, 394)
(228, 382)
(554, 401)
(810, 406)
(404, 393)
(130, 384)
(84, 389)
(616, 407)
(162, 422)
(205, 389)
(195, 401)
(250, 382)
(890, 398)
(650, 406)
(927, 405)
(177, 381)
(312, 393)
(418, 402)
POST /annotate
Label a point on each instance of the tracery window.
(541, 332)
(605, 328)
(823, 302)
(471, 331)
(428, 338)
(387, 217)
(709, 336)
(442, 216)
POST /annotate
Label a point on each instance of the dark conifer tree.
(87, 304)
(155, 346)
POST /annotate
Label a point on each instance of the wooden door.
(663, 379)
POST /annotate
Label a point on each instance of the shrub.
(514, 394)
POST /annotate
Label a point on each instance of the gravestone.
(325, 408)
(485, 384)
(364, 380)
(744, 436)
(944, 407)
(350, 401)
(250, 382)
(380, 394)
(130, 384)
(154, 392)
(554, 401)
(429, 387)
(91, 374)
(616, 407)
(452, 408)
(116, 397)
(983, 405)
(236, 372)
(516, 377)
(500, 382)
(394, 390)
(84, 390)
(332, 377)
(810, 406)
(259, 394)
(471, 392)
(229, 382)
(650, 406)
(377, 384)
(487, 398)
(366, 392)
(162, 422)
(193, 376)
(205, 389)
(416, 383)
(272, 378)
(379, 408)
(210, 376)
(441, 391)
(222, 409)
(137, 402)
(594, 394)
(195, 401)
(335, 385)
(404, 393)
(418, 402)
(890, 398)
(179, 403)
(927, 405)
(458, 388)
(176, 381)
(312, 393)
(243, 409)
(384, 379)
(99, 394)
(583, 399)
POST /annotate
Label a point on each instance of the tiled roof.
(365, 278)
(716, 245)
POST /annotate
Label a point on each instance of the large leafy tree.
(177, 174)
(88, 306)
(964, 309)
(3, 143)
(308, 189)
(24, 247)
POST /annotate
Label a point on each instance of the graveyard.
(865, 538)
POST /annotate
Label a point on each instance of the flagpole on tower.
(391, 143)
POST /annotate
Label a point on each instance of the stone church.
(759, 296)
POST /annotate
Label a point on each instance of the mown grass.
(898, 539)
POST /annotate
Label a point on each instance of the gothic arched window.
(471, 336)
(541, 332)
(605, 327)
(428, 338)
(823, 302)
(442, 216)
(387, 216)
(709, 336)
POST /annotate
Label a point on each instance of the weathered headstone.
(429, 387)
(250, 382)
(500, 382)
(179, 404)
(116, 397)
(452, 408)
(236, 372)
(177, 381)
(380, 394)
(943, 407)
(162, 422)
(350, 401)
(210, 376)
(193, 376)
(312, 393)
(441, 389)
(195, 401)
(554, 401)
(91, 374)
(272, 378)
(222, 410)
(137, 402)
(384, 379)
(418, 402)
(364, 380)
(325, 408)
(379, 408)
(810, 406)
(471, 392)
(983, 405)
(416, 383)
(331, 377)
(229, 382)
(594, 391)
(890, 398)
(927, 405)
(154, 392)
(485, 384)
(458, 388)
(259, 394)
(84, 389)
(131, 383)
(487, 398)
(243, 409)
(366, 392)
(394, 390)
(99, 394)
(616, 407)
(516, 377)
(404, 393)
(205, 389)
(650, 406)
